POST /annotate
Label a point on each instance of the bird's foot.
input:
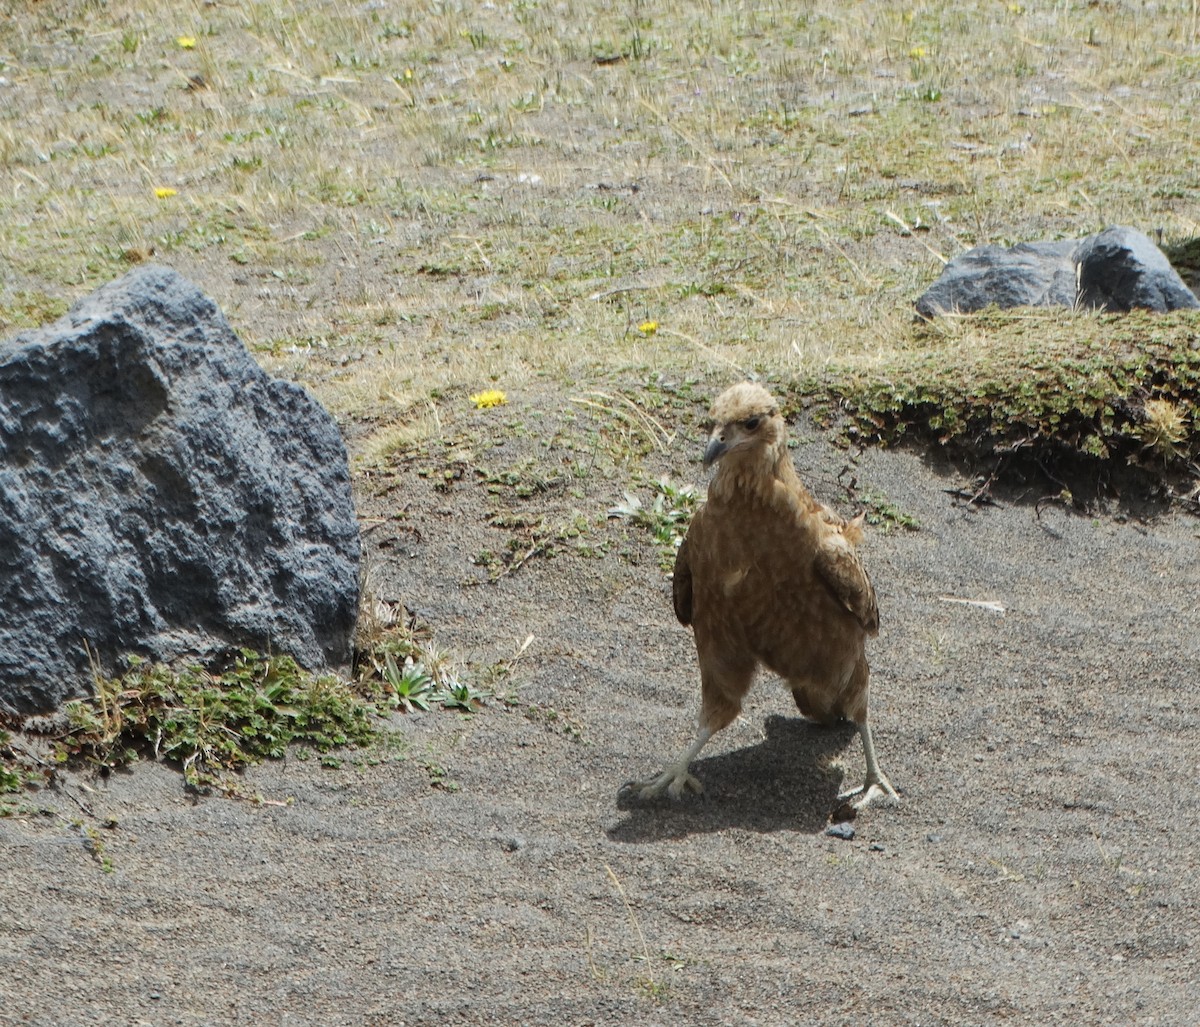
(872, 791)
(674, 781)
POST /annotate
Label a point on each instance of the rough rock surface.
(1120, 268)
(1038, 274)
(161, 495)
(1117, 269)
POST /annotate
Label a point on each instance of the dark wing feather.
(681, 585)
(842, 570)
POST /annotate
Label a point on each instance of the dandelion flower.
(917, 53)
(489, 398)
(187, 42)
(165, 192)
(648, 327)
(408, 74)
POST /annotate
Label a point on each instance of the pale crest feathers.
(741, 402)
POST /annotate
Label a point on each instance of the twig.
(633, 920)
(912, 232)
(591, 961)
(693, 143)
(972, 498)
(605, 293)
(983, 604)
(642, 420)
(707, 349)
(978, 496)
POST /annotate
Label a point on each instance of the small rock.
(876, 847)
(843, 831)
(935, 839)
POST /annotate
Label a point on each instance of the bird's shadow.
(781, 784)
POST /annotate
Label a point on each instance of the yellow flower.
(408, 74)
(165, 192)
(648, 327)
(917, 53)
(489, 398)
(187, 42)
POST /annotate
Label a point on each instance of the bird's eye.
(750, 423)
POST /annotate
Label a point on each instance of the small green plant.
(882, 512)
(401, 667)
(410, 682)
(20, 770)
(93, 842)
(458, 695)
(439, 776)
(213, 723)
(555, 720)
(667, 518)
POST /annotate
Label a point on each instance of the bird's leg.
(876, 785)
(675, 778)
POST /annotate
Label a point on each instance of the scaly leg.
(876, 785)
(675, 778)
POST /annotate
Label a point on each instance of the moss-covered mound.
(1112, 388)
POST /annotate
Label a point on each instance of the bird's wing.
(681, 584)
(842, 570)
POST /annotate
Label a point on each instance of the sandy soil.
(1041, 868)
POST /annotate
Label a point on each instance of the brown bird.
(768, 576)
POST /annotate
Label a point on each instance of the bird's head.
(746, 420)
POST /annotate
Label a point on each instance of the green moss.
(1094, 386)
(211, 724)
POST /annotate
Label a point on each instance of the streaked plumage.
(768, 576)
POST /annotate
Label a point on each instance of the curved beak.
(714, 450)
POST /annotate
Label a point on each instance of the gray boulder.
(161, 495)
(1030, 274)
(1117, 269)
(1120, 269)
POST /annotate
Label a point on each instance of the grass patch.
(666, 518)
(20, 771)
(213, 723)
(1097, 389)
(462, 197)
(400, 666)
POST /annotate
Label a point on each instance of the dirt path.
(1042, 867)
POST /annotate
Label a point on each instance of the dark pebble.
(843, 831)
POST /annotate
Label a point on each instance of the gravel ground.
(1041, 867)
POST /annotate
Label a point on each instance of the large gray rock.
(1120, 269)
(1117, 269)
(1030, 274)
(161, 495)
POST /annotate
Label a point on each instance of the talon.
(686, 783)
(672, 781)
(869, 792)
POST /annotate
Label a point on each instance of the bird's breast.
(732, 579)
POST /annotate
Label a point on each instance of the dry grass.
(395, 201)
